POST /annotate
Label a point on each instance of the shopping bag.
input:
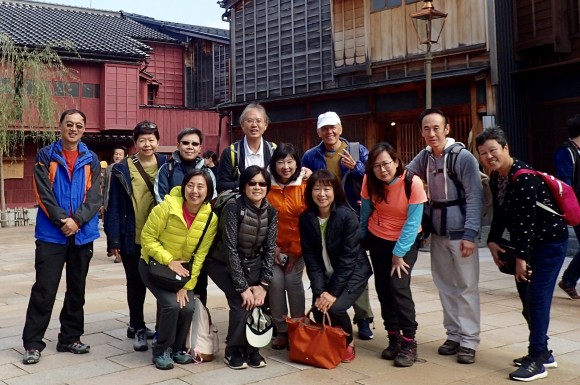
(315, 344)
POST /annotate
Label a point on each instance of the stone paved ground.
(113, 361)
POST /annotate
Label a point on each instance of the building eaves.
(359, 87)
(217, 35)
(79, 31)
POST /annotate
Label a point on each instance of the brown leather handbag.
(315, 344)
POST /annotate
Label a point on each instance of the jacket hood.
(448, 143)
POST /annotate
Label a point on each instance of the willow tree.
(28, 111)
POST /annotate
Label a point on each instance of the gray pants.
(457, 279)
(362, 307)
(282, 283)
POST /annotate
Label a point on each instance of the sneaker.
(571, 291)
(364, 330)
(76, 347)
(391, 351)
(549, 360)
(31, 356)
(349, 354)
(466, 355)
(448, 348)
(182, 358)
(164, 361)
(280, 342)
(154, 340)
(140, 341)
(529, 370)
(407, 355)
(255, 359)
(235, 360)
(131, 332)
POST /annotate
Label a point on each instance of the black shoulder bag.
(164, 278)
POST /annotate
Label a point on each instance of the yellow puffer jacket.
(166, 237)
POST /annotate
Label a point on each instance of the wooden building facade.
(362, 59)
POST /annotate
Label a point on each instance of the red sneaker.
(349, 354)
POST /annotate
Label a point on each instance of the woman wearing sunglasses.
(241, 263)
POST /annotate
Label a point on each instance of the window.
(152, 93)
(379, 5)
(91, 91)
(66, 89)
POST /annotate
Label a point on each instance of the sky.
(205, 13)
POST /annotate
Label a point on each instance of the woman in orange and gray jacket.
(287, 197)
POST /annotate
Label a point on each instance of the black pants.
(173, 322)
(136, 289)
(397, 306)
(200, 288)
(220, 274)
(50, 259)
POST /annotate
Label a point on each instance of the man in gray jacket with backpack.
(455, 206)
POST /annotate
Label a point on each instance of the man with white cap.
(347, 161)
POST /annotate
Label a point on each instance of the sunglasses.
(187, 143)
(261, 184)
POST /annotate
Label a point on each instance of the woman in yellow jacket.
(170, 235)
(287, 197)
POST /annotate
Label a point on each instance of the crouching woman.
(172, 232)
(337, 266)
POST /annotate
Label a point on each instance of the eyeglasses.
(379, 166)
(250, 121)
(187, 143)
(261, 184)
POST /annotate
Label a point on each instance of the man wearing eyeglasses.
(184, 159)
(347, 162)
(252, 150)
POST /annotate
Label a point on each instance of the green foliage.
(28, 109)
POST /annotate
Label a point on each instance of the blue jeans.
(572, 272)
(545, 261)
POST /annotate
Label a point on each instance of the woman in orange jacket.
(287, 196)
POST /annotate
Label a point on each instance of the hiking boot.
(131, 332)
(182, 358)
(235, 360)
(364, 330)
(407, 355)
(31, 356)
(140, 341)
(255, 359)
(76, 347)
(164, 361)
(466, 355)
(571, 291)
(280, 342)
(349, 354)
(448, 348)
(529, 370)
(548, 360)
(391, 351)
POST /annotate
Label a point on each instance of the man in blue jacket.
(67, 185)
(347, 161)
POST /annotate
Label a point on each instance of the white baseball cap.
(258, 328)
(328, 119)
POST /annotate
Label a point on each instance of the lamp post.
(428, 24)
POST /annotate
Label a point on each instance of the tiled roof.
(90, 32)
(175, 29)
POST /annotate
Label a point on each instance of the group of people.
(321, 212)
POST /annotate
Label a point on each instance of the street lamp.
(428, 24)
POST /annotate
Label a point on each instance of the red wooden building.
(123, 72)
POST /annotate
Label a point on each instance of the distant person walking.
(567, 160)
